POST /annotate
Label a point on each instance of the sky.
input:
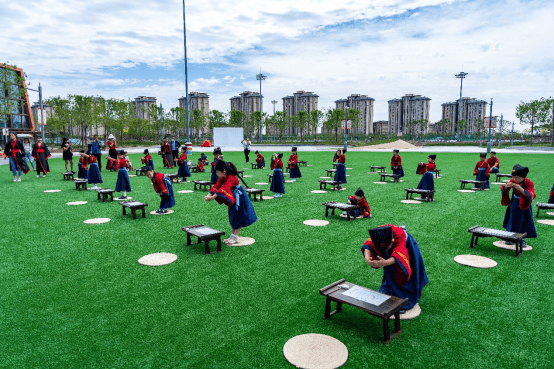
(380, 48)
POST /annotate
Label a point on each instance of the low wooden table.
(67, 176)
(373, 167)
(303, 162)
(194, 169)
(198, 184)
(341, 206)
(256, 166)
(331, 172)
(437, 173)
(139, 172)
(384, 311)
(134, 205)
(323, 184)
(395, 177)
(544, 205)
(514, 237)
(270, 177)
(255, 192)
(80, 184)
(173, 177)
(481, 184)
(105, 192)
(205, 234)
(430, 193)
(240, 172)
(500, 175)
(286, 169)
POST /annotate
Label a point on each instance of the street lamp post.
(274, 102)
(188, 144)
(500, 133)
(461, 76)
(41, 109)
(512, 134)
(260, 77)
(162, 119)
(345, 127)
(489, 143)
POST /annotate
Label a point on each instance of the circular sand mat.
(247, 176)
(289, 181)
(549, 213)
(77, 203)
(373, 172)
(351, 217)
(97, 221)
(325, 177)
(309, 165)
(244, 241)
(316, 222)
(546, 221)
(94, 189)
(318, 191)
(185, 191)
(380, 182)
(132, 175)
(50, 191)
(497, 183)
(314, 350)
(169, 211)
(120, 199)
(502, 245)
(261, 183)
(435, 178)
(348, 175)
(467, 191)
(475, 261)
(410, 314)
(160, 258)
(410, 201)
(348, 168)
(267, 197)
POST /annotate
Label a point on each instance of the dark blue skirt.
(482, 176)
(551, 199)
(94, 175)
(295, 172)
(151, 163)
(123, 183)
(82, 172)
(412, 289)
(517, 220)
(398, 171)
(168, 200)
(340, 173)
(183, 171)
(242, 213)
(427, 182)
(214, 176)
(277, 182)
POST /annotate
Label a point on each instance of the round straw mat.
(348, 175)
(380, 182)
(160, 258)
(77, 203)
(316, 222)
(267, 197)
(549, 213)
(50, 191)
(132, 175)
(325, 177)
(289, 181)
(318, 191)
(410, 201)
(497, 183)
(372, 172)
(94, 189)
(315, 351)
(348, 168)
(351, 217)
(120, 199)
(247, 176)
(185, 191)
(546, 221)
(261, 183)
(309, 165)
(410, 314)
(169, 211)
(475, 261)
(466, 191)
(502, 245)
(244, 241)
(97, 221)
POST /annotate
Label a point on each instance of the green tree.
(533, 113)
(153, 116)
(250, 125)
(302, 121)
(217, 119)
(61, 115)
(354, 116)
(461, 125)
(280, 123)
(197, 121)
(333, 119)
(236, 118)
(316, 118)
(83, 114)
(12, 92)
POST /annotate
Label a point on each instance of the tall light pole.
(489, 143)
(41, 109)
(461, 76)
(345, 126)
(513, 133)
(274, 102)
(260, 77)
(188, 144)
(162, 119)
(500, 132)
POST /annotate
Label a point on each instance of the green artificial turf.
(74, 296)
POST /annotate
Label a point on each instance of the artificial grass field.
(74, 296)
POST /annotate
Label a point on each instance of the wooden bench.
(374, 167)
(255, 192)
(544, 205)
(105, 192)
(194, 169)
(240, 172)
(437, 173)
(303, 162)
(331, 172)
(481, 184)
(395, 177)
(67, 176)
(80, 184)
(323, 184)
(198, 184)
(256, 165)
(341, 206)
(204, 234)
(134, 205)
(384, 310)
(500, 175)
(429, 193)
(270, 177)
(513, 237)
(173, 177)
(139, 172)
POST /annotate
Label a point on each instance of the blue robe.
(482, 176)
(517, 220)
(340, 173)
(398, 171)
(241, 213)
(295, 172)
(94, 175)
(183, 171)
(123, 183)
(168, 200)
(426, 182)
(82, 173)
(551, 199)
(277, 181)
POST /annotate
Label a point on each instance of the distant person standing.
(15, 151)
(67, 146)
(494, 163)
(112, 148)
(96, 151)
(246, 144)
(41, 154)
(28, 149)
(175, 145)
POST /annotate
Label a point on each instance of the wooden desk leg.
(386, 330)
(144, 211)
(333, 213)
(537, 210)
(99, 196)
(326, 211)
(111, 196)
(189, 240)
(520, 246)
(397, 322)
(206, 247)
(472, 239)
(195, 186)
(124, 213)
(327, 314)
(348, 215)
(134, 212)
(218, 240)
(261, 197)
(407, 193)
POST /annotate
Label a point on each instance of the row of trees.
(539, 114)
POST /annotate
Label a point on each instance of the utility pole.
(188, 144)
(500, 135)
(162, 119)
(489, 143)
(345, 128)
(461, 76)
(274, 102)
(260, 77)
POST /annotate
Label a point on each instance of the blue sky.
(380, 48)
